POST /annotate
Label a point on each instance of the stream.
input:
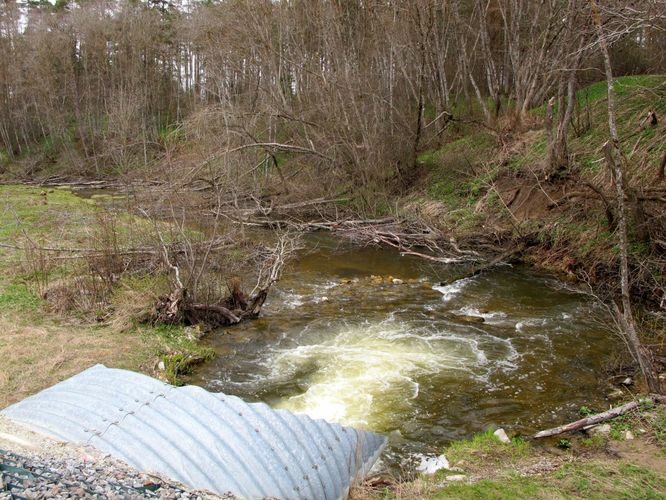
(365, 337)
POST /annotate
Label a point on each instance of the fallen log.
(265, 211)
(598, 418)
(332, 226)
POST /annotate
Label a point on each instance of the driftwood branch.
(261, 210)
(598, 418)
(504, 258)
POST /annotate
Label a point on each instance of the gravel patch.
(33, 466)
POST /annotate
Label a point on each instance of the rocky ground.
(38, 468)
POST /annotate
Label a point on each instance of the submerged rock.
(471, 319)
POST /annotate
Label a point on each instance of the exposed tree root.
(179, 308)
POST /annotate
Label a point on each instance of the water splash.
(369, 374)
(451, 290)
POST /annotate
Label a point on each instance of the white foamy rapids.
(293, 300)
(487, 315)
(451, 290)
(368, 375)
(521, 325)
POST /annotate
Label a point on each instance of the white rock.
(600, 429)
(501, 435)
(161, 366)
(430, 465)
(397, 281)
(628, 435)
(456, 477)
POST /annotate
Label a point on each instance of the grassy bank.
(497, 186)
(584, 465)
(58, 316)
(483, 182)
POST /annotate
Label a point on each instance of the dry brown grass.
(36, 357)
(394, 489)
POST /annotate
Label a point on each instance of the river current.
(366, 337)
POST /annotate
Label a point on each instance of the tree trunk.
(614, 157)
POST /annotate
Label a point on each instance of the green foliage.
(564, 444)
(595, 442)
(170, 134)
(181, 364)
(175, 367)
(4, 158)
(585, 411)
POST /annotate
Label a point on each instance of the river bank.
(34, 333)
(55, 323)
(597, 464)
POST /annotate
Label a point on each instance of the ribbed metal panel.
(205, 440)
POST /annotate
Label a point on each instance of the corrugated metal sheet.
(205, 440)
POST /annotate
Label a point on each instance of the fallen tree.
(599, 417)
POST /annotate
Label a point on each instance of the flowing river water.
(340, 340)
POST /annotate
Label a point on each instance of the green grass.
(492, 471)
(623, 86)
(509, 488)
(578, 479)
(53, 214)
(18, 297)
(456, 178)
(659, 426)
(32, 218)
(468, 146)
(180, 350)
(486, 447)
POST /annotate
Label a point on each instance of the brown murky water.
(409, 358)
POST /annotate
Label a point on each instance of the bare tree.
(616, 164)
